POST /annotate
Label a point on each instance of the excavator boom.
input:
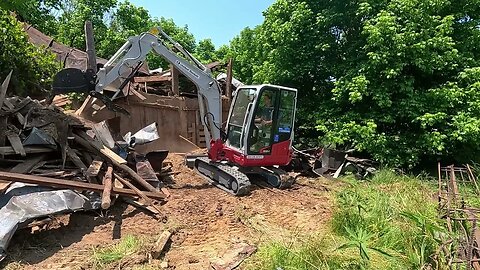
(246, 149)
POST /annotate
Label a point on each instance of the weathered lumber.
(28, 165)
(3, 130)
(4, 186)
(17, 145)
(60, 183)
(8, 150)
(160, 244)
(76, 159)
(94, 168)
(3, 89)
(20, 117)
(90, 47)
(140, 193)
(115, 159)
(107, 188)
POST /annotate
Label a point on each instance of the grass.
(389, 222)
(127, 246)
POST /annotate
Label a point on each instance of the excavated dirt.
(205, 222)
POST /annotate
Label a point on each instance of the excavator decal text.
(188, 69)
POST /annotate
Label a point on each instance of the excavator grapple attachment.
(72, 80)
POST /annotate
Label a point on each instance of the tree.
(394, 79)
(205, 51)
(32, 67)
(74, 13)
(36, 12)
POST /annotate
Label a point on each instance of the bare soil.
(205, 222)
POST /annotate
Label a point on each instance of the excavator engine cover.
(72, 80)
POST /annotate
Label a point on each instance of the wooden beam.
(28, 165)
(94, 167)
(60, 183)
(17, 145)
(8, 150)
(90, 46)
(155, 78)
(115, 159)
(175, 86)
(140, 193)
(228, 91)
(19, 116)
(3, 89)
(107, 188)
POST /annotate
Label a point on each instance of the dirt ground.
(205, 220)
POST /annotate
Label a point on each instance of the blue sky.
(220, 20)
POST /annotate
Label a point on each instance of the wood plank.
(175, 87)
(28, 165)
(3, 89)
(94, 168)
(140, 193)
(8, 150)
(4, 185)
(60, 183)
(17, 145)
(160, 244)
(3, 129)
(228, 90)
(152, 79)
(137, 94)
(76, 159)
(115, 159)
(90, 47)
(20, 117)
(107, 188)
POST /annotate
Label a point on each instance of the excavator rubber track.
(275, 177)
(223, 176)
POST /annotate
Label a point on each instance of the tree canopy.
(396, 80)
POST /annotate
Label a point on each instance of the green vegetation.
(390, 222)
(32, 67)
(127, 246)
(397, 80)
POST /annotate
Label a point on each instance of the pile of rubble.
(52, 163)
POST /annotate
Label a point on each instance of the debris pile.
(52, 163)
(325, 161)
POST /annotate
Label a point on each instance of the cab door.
(238, 117)
(271, 126)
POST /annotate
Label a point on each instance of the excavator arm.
(126, 61)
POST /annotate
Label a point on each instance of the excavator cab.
(260, 125)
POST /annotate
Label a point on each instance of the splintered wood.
(461, 250)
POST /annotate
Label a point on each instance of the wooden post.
(175, 87)
(90, 45)
(107, 188)
(228, 90)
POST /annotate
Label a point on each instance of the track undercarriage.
(237, 180)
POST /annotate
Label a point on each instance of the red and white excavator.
(259, 131)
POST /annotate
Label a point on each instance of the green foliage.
(389, 222)
(394, 79)
(392, 215)
(127, 246)
(32, 67)
(36, 12)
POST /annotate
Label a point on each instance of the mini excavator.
(258, 135)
